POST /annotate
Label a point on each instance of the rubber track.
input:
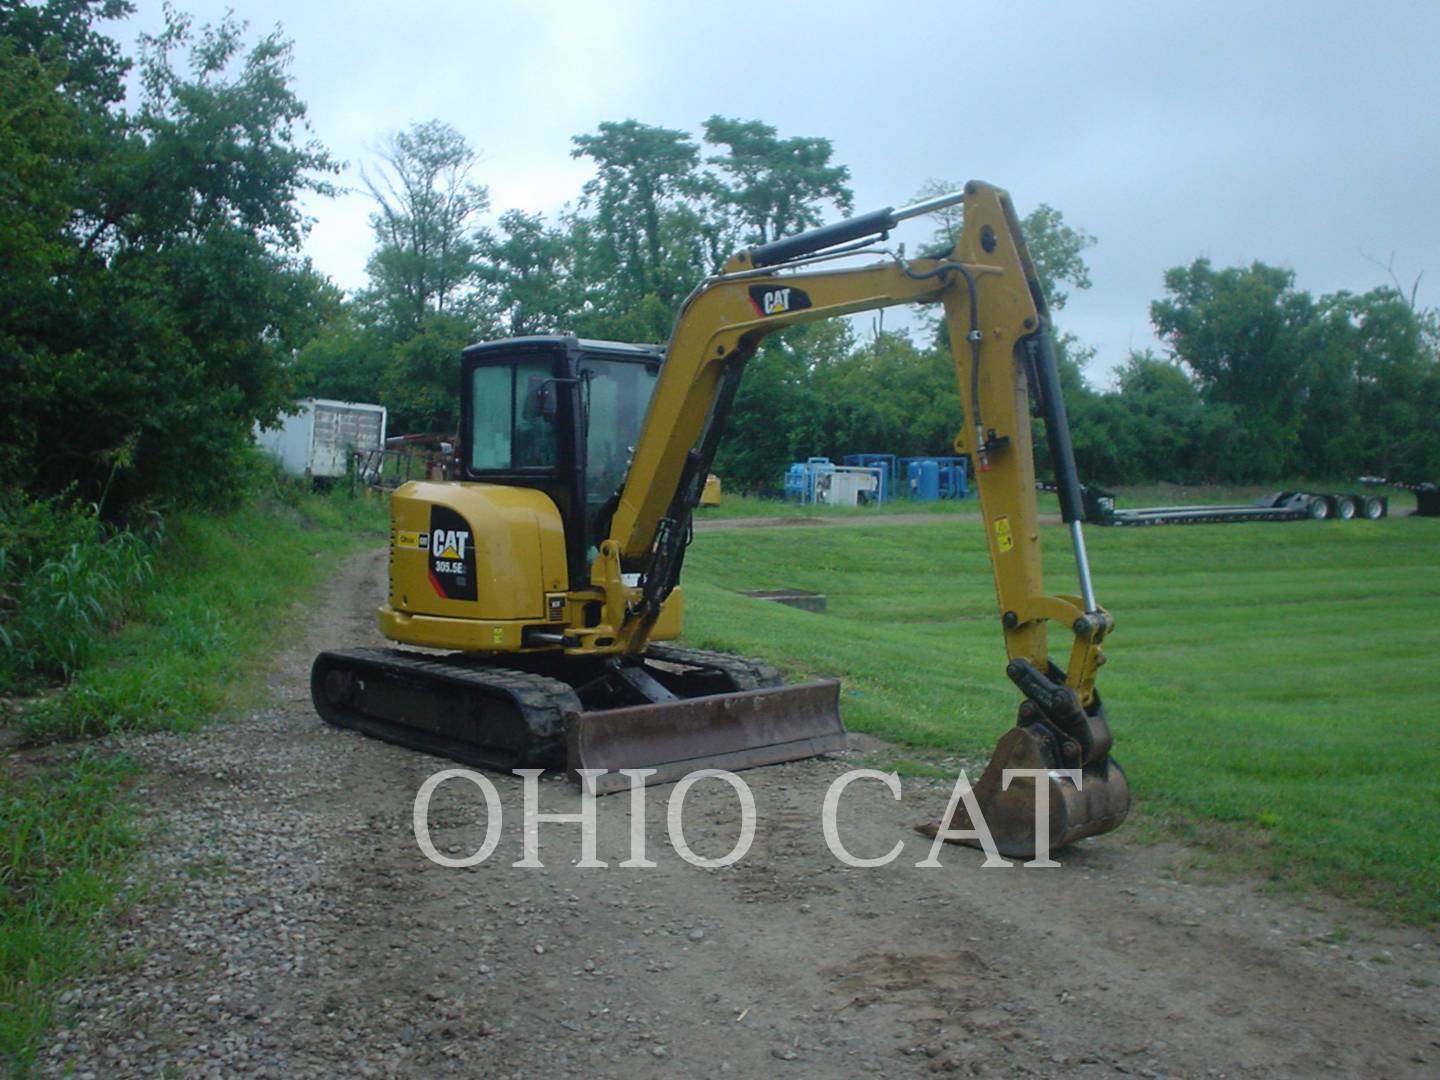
(746, 673)
(541, 701)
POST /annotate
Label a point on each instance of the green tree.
(1373, 389)
(421, 382)
(426, 210)
(1058, 252)
(63, 31)
(641, 237)
(764, 187)
(888, 393)
(159, 293)
(780, 412)
(1244, 333)
(527, 266)
(346, 359)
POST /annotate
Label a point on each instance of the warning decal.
(1004, 538)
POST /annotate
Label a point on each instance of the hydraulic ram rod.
(1062, 455)
(876, 223)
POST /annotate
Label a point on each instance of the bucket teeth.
(722, 731)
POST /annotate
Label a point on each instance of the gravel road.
(298, 931)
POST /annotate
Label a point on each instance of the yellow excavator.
(550, 572)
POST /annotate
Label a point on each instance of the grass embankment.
(748, 506)
(1271, 686)
(196, 632)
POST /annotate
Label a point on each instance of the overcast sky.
(1305, 135)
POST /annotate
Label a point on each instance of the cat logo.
(776, 301)
(449, 543)
(770, 300)
(450, 554)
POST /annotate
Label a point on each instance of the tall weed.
(66, 578)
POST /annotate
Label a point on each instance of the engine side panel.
(475, 551)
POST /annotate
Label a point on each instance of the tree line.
(1259, 380)
(155, 302)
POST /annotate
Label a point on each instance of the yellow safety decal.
(407, 539)
(497, 634)
(1004, 538)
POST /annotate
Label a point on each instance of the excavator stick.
(740, 730)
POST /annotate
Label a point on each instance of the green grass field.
(1272, 687)
(749, 506)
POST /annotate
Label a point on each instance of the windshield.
(509, 427)
(617, 393)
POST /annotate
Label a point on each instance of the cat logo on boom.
(769, 300)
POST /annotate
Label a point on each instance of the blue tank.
(922, 477)
(796, 478)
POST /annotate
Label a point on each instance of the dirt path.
(301, 933)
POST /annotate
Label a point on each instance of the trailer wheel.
(1345, 507)
(1317, 508)
(1373, 508)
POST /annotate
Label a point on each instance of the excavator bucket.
(731, 731)
(1063, 741)
(1098, 804)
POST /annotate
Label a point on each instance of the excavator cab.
(560, 415)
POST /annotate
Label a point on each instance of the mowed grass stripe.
(1271, 685)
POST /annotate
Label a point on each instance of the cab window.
(617, 393)
(511, 425)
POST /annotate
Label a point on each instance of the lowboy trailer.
(1277, 506)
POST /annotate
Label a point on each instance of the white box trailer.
(319, 439)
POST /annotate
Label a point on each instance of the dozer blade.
(1098, 805)
(721, 731)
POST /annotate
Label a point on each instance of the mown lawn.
(1273, 687)
(733, 505)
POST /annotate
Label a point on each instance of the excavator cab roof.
(483, 350)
